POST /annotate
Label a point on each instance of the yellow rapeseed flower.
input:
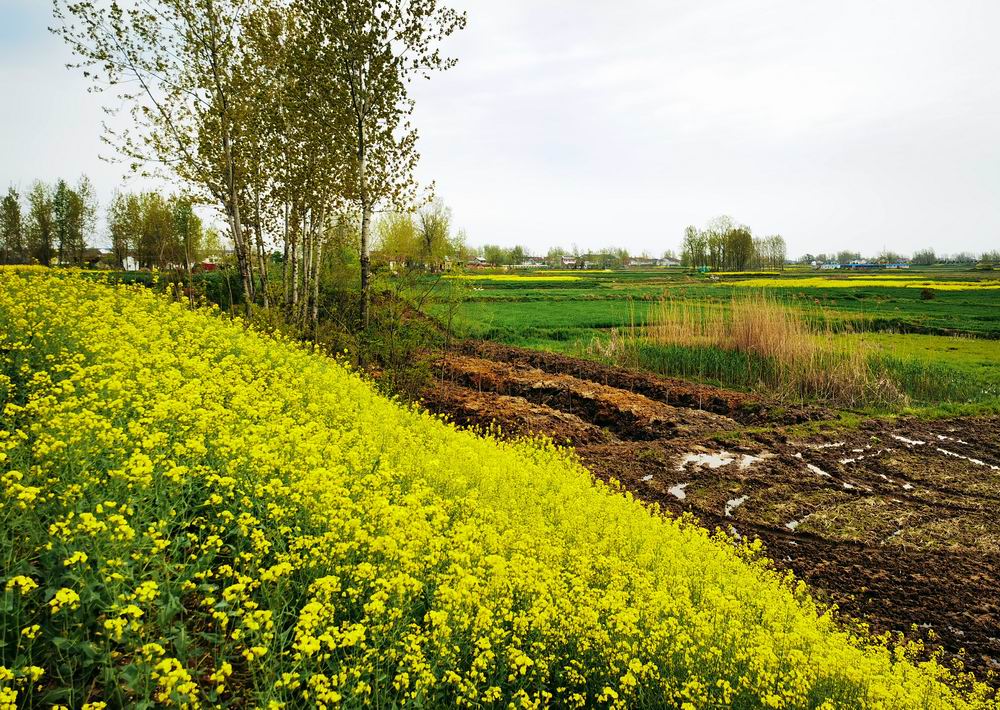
(246, 500)
(22, 583)
(64, 598)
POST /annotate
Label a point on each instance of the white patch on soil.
(791, 525)
(978, 462)
(648, 477)
(907, 486)
(818, 471)
(848, 486)
(720, 459)
(844, 462)
(911, 442)
(798, 455)
(734, 503)
(835, 445)
(886, 478)
(678, 491)
(723, 458)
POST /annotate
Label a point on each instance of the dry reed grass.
(791, 354)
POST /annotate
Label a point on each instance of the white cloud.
(839, 125)
(842, 124)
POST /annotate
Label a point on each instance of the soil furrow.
(626, 414)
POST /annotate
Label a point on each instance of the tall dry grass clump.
(789, 353)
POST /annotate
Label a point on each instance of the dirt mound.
(744, 408)
(895, 521)
(516, 415)
(627, 414)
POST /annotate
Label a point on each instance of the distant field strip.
(526, 278)
(199, 515)
(887, 281)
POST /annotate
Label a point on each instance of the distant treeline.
(921, 257)
(150, 230)
(57, 225)
(51, 224)
(722, 245)
(608, 257)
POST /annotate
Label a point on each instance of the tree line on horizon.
(56, 224)
(921, 257)
(50, 224)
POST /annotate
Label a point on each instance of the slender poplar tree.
(363, 54)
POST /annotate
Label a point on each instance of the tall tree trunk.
(240, 241)
(239, 246)
(235, 223)
(319, 264)
(261, 260)
(307, 247)
(295, 262)
(284, 261)
(366, 218)
(316, 270)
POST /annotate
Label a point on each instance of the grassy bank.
(927, 385)
(758, 343)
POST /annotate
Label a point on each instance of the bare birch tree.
(366, 52)
(171, 62)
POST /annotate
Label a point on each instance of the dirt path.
(895, 522)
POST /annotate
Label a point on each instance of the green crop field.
(936, 330)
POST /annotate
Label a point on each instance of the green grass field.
(937, 329)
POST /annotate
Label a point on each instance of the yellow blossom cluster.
(199, 515)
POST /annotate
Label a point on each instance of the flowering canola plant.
(195, 514)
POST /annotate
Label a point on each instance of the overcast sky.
(857, 124)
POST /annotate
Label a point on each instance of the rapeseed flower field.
(197, 515)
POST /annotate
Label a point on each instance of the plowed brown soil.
(742, 407)
(627, 414)
(896, 521)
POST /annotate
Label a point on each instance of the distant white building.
(643, 261)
